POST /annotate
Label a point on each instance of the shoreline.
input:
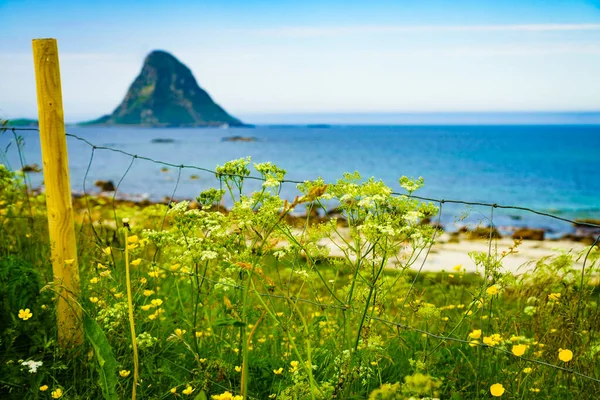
(450, 248)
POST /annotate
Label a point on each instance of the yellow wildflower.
(278, 371)
(519, 349)
(43, 388)
(188, 390)
(132, 246)
(238, 368)
(294, 365)
(202, 360)
(226, 396)
(156, 302)
(94, 280)
(173, 390)
(175, 267)
(93, 299)
(497, 389)
(102, 266)
(180, 332)
(474, 343)
(57, 394)
(492, 290)
(148, 292)
(132, 239)
(554, 296)
(124, 373)
(136, 262)
(492, 340)
(476, 334)
(25, 314)
(527, 370)
(457, 267)
(107, 251)
(565, 355)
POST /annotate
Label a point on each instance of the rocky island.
(166, 94)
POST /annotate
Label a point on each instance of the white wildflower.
(33, 365)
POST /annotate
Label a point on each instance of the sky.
(280, 57)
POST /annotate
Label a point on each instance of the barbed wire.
(345, 307)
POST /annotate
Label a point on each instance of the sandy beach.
(448, 252)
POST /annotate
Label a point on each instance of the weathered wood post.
(58, 191)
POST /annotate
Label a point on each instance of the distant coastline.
(328, 120)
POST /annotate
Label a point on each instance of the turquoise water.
(549, 168)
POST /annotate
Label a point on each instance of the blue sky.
(286, 57)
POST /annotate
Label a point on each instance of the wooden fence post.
(58, 191)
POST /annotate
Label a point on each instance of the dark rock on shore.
(105, 186)
(586, 240)
(480, 232)
(529, 234)
(30, 168)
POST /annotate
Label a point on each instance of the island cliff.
(166, 94)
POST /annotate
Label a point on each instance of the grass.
(245, 303)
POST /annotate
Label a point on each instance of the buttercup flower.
(136, 262)
(565, 355)
(278, 371)
(238, 368)
(188, 390)
(124, 373)
(173, 390)
(476, 334)
(43, 388)
(294, 366)
(226, 396)
(492, 290)
(132, 239)
(519, 349)
(56, 394)
(497, 389)
(492, 340)
(25, 314)
(554, 296)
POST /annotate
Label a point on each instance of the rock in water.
(165, 94)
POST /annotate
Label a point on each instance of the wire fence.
(341, 306)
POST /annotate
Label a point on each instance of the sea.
(552, 169)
